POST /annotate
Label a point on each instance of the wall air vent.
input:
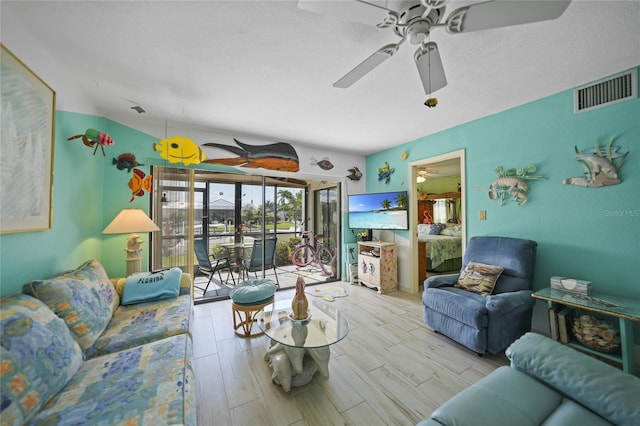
(618, 88)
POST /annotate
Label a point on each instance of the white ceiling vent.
(618, 88)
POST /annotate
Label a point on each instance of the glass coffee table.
(299, 349)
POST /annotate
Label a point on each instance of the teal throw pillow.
(150, 286)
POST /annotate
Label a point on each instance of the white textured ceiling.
(267, 67)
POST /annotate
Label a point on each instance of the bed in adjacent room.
(443, 246)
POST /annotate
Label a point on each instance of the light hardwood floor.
(389, 370)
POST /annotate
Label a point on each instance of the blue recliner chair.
(485, 323)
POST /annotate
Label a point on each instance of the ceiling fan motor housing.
(412, 24)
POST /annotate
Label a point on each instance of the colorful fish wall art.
(94, 138)
(600, 164)
(324, 164)
(139, 183)
(276, 156)
(180, 149)
(384, 173)
(126, 161)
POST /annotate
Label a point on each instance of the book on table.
(553, 324)
(564, 323)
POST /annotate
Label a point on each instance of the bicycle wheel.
(324, 257)
(302, 255)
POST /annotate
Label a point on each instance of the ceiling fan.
(413, 20)
(423, 174)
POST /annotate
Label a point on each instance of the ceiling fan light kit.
(414, 20)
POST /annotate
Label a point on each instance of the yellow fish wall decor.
(179, 149)
(139, 183)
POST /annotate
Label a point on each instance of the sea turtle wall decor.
(511, 184)
(384, 173)
(600, 164)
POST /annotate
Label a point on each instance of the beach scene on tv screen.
(378, 211)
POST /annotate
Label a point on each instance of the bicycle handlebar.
(306, 234)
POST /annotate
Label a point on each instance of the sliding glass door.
(173, 209)
(231, 212)
(326, 221)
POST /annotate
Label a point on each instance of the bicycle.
(306, 253)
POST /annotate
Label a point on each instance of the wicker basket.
(596, 333)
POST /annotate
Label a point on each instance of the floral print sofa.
(70, 353)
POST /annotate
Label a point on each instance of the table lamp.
(132, 221)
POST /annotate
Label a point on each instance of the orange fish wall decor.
(139, 183)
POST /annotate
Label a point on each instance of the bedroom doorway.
(436, 178)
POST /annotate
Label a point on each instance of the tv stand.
(378, 265)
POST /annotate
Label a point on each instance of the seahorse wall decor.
(511, 184)
(601, 165)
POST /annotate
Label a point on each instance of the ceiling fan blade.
(352, 11)
(430, 67)
(429, 5)
(367, 65)
(501, 13)
(380, 4)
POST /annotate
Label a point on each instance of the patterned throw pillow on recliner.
(84, 298)
(479, 278)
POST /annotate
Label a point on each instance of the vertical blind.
(172, 211)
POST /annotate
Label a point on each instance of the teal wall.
(116, 193)
(77, 212)
(586, 233)
(88, 192)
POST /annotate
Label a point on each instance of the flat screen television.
(380, 210)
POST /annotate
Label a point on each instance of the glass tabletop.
(599, 302)
(325, 326)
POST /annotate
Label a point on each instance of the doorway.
(421, 171)
(326, 223)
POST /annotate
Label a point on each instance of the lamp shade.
(130, 220)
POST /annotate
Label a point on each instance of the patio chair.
(254, 264)
(208, 264)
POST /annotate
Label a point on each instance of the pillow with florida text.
(479, 278)
(149, 286)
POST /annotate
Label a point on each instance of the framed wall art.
(26, 147)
